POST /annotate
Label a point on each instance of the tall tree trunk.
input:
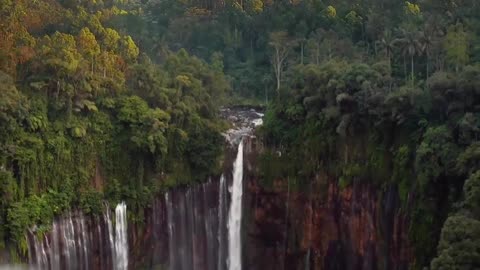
(412, 74)
(391, 71)
(428, 65)
(278, 69)
(301, 53)
(278, 83)
(389, 59)
(266, 94)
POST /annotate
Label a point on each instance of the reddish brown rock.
(354, 228)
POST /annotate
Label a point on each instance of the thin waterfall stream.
(121, 240)
(235, 214)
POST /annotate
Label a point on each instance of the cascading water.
(194, 228)
(222, 210)
(121, 240)
(235, 214)
(75, 240)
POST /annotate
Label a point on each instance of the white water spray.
(121, 241)
(222, 192)
(235, 214)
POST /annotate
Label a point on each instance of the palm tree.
(387, 43)
(432, 41)
(316, 39)
(410, 46)
(426, 39)
(429, 38)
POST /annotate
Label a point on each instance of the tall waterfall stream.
(235, 214)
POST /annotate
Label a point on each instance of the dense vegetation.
(387, 99)
(86, 116)
(110, 99)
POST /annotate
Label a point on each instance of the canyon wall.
(317, 226)
(323, 226)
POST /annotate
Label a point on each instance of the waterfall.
(85, 240)
(193, 225)
(121, 240)
(235, 214)
(307, 260)
(55, 256)
(204, 231)
(75, 240)
(109, 228)
(222, 203)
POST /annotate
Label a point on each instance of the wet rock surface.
(325, 227)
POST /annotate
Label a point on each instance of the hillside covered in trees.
(118, 99)
(86, 116)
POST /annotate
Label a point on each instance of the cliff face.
(324, 226)
(353, 228)
(320, 226)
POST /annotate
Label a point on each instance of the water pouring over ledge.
(75, 240)
(205, 220)
(121, 240)
(235, 214)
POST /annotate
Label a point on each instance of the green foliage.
(459, 246)
(421, 140)
(456, 46)
(95, 98)
(469, 160)
(436, 154)
(85, 117)
(91, 202)
(21, 215)
(471, 191)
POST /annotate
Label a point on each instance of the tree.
(111, 39)
(388, 44)
(10, 99)
(129, 49)
(426, 40)
(281, 44)
(301, 31)
(315, 42)
(410, 46)
(471, 192)
(456, 46)
(88, 45)
(459, 246)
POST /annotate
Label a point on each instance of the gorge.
(201, 227)
(191, 228)
(240, 135)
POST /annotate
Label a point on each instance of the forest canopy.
(118, 99)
